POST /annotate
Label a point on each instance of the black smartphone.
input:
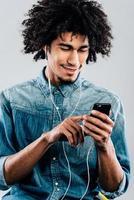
(102, 107)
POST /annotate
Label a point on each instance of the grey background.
(114, 73)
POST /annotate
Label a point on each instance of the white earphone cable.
(63, 144)
(88, 173)
(69, 169)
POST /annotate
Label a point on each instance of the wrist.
(46, 138)
(106, 148)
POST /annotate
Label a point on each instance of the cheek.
(83, 58)
(53, 59)
(61, 58)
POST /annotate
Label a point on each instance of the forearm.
(110, 170)
(17, 166)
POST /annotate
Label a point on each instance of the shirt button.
(57, 108)
(58, 189)
(56, 183)
(54, 158)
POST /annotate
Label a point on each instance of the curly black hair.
(48, 19)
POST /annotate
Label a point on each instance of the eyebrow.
(71, 47)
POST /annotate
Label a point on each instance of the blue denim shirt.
(26, 111)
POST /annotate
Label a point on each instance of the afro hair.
(48, 19)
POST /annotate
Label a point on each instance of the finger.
(99, 123)
(98, 139)
(78, 134)
(69, 136)
(81, 136)
(95, 129)
(74, 134)
(70, 126)
(73, 131)
(103, 117)
(78, 137)
(73, 128)
(92, 134)
(77, 118)
(75, 125)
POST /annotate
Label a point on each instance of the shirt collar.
(65, 89)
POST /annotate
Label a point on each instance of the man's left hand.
(99, 126)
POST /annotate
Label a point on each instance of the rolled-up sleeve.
(6, 137)
(118, 192)
(3, 184)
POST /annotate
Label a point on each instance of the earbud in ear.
(46, 50)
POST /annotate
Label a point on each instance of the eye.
(83, 49)
(64, 48)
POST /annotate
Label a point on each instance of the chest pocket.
(29, 125)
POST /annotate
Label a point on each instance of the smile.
(69, 68)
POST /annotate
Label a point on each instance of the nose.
(73, 58)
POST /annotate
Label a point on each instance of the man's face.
(66, 56)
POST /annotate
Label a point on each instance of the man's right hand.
(19, 165)
(69, 129)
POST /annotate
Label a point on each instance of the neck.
(53, 78)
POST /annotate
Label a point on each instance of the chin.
(68, 79)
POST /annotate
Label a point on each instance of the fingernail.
(93, 112)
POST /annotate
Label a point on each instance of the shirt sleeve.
(120, 145)
(116, 193)
(3, 184)
(6, 137)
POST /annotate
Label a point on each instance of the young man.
(51, 147)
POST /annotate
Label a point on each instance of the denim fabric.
(26, 111)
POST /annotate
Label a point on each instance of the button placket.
(58, 100)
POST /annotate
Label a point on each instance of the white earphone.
(63, 143)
